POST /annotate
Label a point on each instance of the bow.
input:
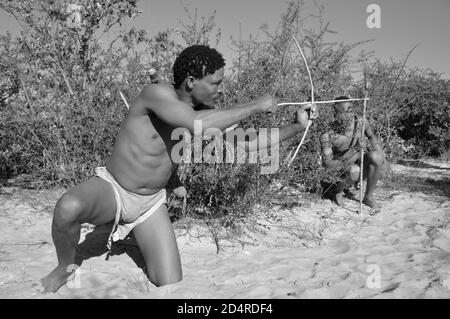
(124, 100)
(366, 94)
(312, 100)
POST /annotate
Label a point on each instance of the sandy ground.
(309, 249)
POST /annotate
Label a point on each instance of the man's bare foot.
(369, 201)
(53, 281)
(339, 199)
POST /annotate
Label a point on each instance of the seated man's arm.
(164, 102)
(327, 154)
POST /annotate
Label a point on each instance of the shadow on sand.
(94, 245)
(419, 164)
(426, 185)
(438, 184)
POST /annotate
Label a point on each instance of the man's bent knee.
(68, 210)
(376, 158)
(354, 173)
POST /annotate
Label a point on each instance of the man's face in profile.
(208, 90)
(342, 107)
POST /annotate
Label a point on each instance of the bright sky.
(404, 24)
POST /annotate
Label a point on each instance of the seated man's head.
(199, 71)
(344, 106)
(343, 115)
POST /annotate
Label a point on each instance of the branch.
(401, 69)
(26, 94)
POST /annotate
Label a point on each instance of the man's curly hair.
(197, 61)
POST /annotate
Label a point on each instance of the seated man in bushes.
(130, 189)
(341, 153)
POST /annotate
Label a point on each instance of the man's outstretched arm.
(284, 132)
(164, 102)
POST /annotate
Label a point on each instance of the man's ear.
(190, 83)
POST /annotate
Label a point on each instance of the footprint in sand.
(442, 243)
(403, 224)
(6, 279)
(340, 290)
(341, 247)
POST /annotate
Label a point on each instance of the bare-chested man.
(341, 152)
(130, 190)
